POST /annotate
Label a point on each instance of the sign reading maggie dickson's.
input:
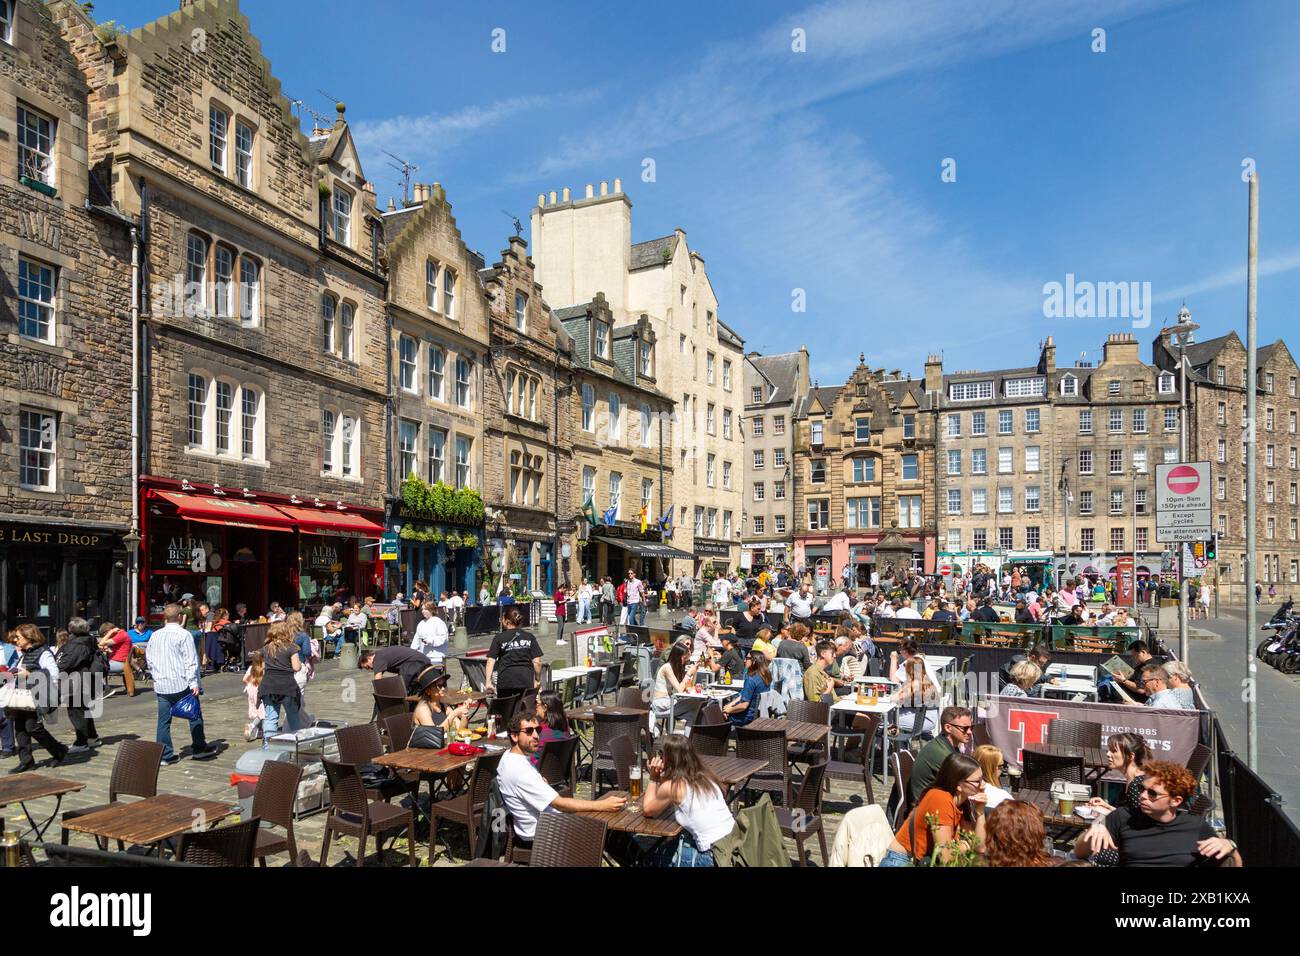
(1017, 722)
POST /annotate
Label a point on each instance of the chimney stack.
(933, 373)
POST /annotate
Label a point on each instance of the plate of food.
(467, 736)
(1086, 813)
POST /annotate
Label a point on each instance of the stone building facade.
(583, 247)
(775, 390)
(1217, 376)
(264, 353)
(438, 348)
(65, 340)
(865, 464)
(619, 426)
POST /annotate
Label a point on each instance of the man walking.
(174, 665)
(608, 600)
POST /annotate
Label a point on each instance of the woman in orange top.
(956, 798)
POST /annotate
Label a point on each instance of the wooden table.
(796, 731)
(585, 714)
(1043, 800)
(454, 698)
(425, 760)
(150, 821)
(634, 821)
(733, 771)
(1093, 757)
(32, 786)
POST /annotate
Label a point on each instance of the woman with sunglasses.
(994, 765)
(957, 799)
(758, 681)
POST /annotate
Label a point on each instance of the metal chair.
(609, 685)
(769, 745)
(474, 670)
(557, 763)
(398, 729)
(466, 807)
(233, 845)
(352, 813)
(710, 740)
(866, 725)
(900, 797)
(804, 816)
(1040, 770)
(135, 774)
(359, 745)
(606, 727)
(273, 802)
(630, 697)
(1074, 733)
(568, 840)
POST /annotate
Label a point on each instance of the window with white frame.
(954, 501)
(328, 433)
(778, 458)
(645, 426)
(909, 511)
(911, 467)
(449, 292)
(225, 398)
(858, 512)
(756, 428)
(1088, 539)
(759, 524)
(1222, 450)
(1085, 461)
(726, 374)
(1112, 388)
(1166, 383)
(408, 433)
(708, 418)
(407, 351)
(588, 408)
(36, 289)
(1032, 420)
(7, 20)
(463, 446)
(1171, 455)
(521, 312)
(778, 525)
(197, 410)
(710, 468)
(909, 426)
(343, 216)
(1222, 489)
(1006, 461)
(708, 368)
(244, 154)
(196, 274)
(1117, 461)
(819, 514)
(431, 285)
(1220, 375)
(816, 429)
(1024, 387)
(37, 441)
(1140, 459)
(1085, 502)
(954, 539)
(615, 491)
(1033, 498)
(977, 425)
(1171, 419)
(615, 417)
(1139, 420)
(1085, 421)
(1033, 458)
(250, 290)
(437, 454)
(437, 363)
(1116, 420)
(817, 471)
(462, 382)
(954, 425)
(979, 461)
(758, 458)
(726, 474)
(1117, 539)
(1069, 385)
(347, 331)
(954, 461)
(328, 315)
(1005, 421)
(223, 269)
(1116, 501)
(589, 486)
(979, 501)
(1140, 543)
(970, 391)
(778, 424)
(726, 423)
(778, 490)
(1006, 538)
(250, 415)
(218, 134)
(350, 448)
(602, 340)
(756, 395)
(647, 493)
(760, 491)
(1006, 500)
(864, 470)
(862, 430)
(980, 539)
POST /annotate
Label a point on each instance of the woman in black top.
(81, 664)
(35, 670)
(279, 688)
(1128, 754)
(515, 657)
(432, 718)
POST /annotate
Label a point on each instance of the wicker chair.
(568, 840)
(804, 816)
(808, 712)
(868, 725)
(360, 745)
(628, 675)
(504, 706)
(710, 713)
(474, 670)
(226, 846)
(352, 813)
(622, 751)
(135, 774)
(465, 807)
(386, 706)
(769, 745)
(397, 730)
(606, 727)
(1074, 733)
(711, 740)
(630, 697)
(1199, 760)
(273, 802)
(557, 765)
(1040, 770)
(392, 686)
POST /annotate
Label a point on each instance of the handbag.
(427, 738)
(13, 697)
(187, 708)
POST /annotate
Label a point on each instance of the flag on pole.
(666, 523)
(610, 514)
(644, 518)
(589, 511)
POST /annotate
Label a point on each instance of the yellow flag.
(643, 519)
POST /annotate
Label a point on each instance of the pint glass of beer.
(634, 783)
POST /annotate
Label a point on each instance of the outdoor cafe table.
(1074, 671)
(454, 698)
(1094, 758)
(733, 771)
(566, 672)
(796, 731)
(426, 761)
(32, 786)
(1067, 687)
(884, 707)
(150, 821)
(635, 821)
(585, 714)
(1047, 805)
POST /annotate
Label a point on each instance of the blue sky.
(821, 170)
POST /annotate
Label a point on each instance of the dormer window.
(431, 285)
(1024, 387)
(862, 431)
(342, 216)
(817, 431)
(647, 365)
(970, 391)
(602, 340)
(521, 312)
(1069, 385)
(449, 292)
(1166, 384)
(756, 395)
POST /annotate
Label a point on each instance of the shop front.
(613, 549)
(50, 572)
(253, 549)
(756, 557)
(965, 562)
(1036, 566)
(712, 554)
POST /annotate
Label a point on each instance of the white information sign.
(1183, 501)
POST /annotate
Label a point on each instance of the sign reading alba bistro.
(183, 552)
(322, 557)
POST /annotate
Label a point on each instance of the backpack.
(491, 842)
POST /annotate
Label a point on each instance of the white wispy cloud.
(1284, 262)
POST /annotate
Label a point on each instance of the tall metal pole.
(1133, 581)
(1252, 275)
(1182, 457)
(1065, 508)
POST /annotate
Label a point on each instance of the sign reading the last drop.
(1183, 501)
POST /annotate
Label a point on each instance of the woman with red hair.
(1014, 836)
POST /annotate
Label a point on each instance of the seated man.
(1162, 832)
(817, 681)
(1139, 655)
(956, 725)
(1155, 681)
(1039, 654)
(985, 612)
(525, 794)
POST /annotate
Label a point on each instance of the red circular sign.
(945, 569)
(1183, 480)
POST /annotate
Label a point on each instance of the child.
(252, 679)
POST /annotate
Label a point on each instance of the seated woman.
(1024, 675)
(674, 677)
(758, 681)
(679, 780)
(992, 763)
(917, 699)
(433, 721)
(551, 721)
(765, 644)
(1014, 835)
(1126, 754)
(957, 799)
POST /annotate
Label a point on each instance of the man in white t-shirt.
(905, 610)
(431, 635)
(525, 794)
(721, 592)
(799, 604)
(839, 601)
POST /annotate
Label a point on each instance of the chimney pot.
(618, 185)
(604, 188)
(541, 199)
(565, 194)
(554, 198)
(590, 191)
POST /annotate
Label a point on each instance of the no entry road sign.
(1183, 501)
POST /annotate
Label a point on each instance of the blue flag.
(666, 523)
(610, 514)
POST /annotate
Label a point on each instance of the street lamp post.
(1064, 487)
(1132, 592)
(1180, 334)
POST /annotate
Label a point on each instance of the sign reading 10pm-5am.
(1183, 501)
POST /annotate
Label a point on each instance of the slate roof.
(728, 335)
(1202, 353)
(782, 371)
(651, 252)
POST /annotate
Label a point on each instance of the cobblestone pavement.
(334, 694)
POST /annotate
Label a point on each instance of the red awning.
(241, 514)
(330, 520)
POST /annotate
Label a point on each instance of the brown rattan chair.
(804, 816)
(390, 686)
(1074, 733)
(466, 807)
(769, 745)
(359, 745)
(503, 707)
(225, 846)
(867, 725)
(474, 670)
(353, 814)
(398, 729)
(606, 728)
(710, 713)
(273, 802)
(557, 765)
(710, 740)
(808, 712)
(567, 839)
(630, 697)
(622, 751)
(1040, 770)
(1199, 760)
(135, 774)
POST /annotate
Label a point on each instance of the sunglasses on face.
(964, 728)
(528, 730)
(1153, 794)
